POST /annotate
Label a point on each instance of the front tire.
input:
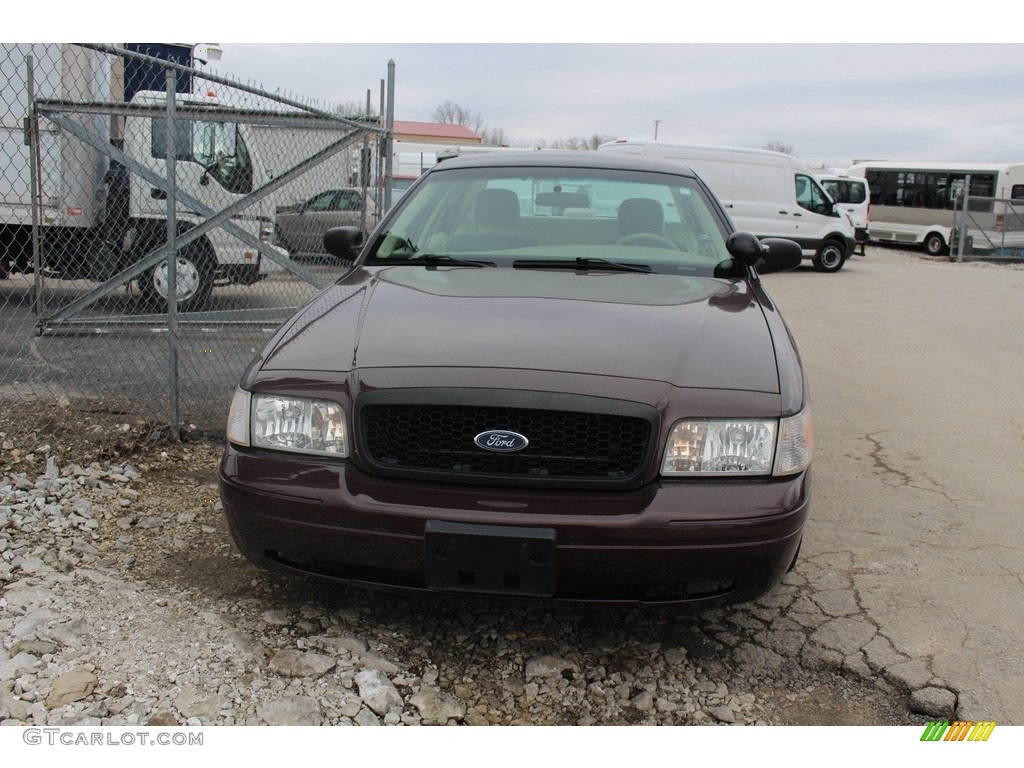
(934, 244)
(830, 257)
(193, 277)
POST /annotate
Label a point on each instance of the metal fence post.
(172, 254)
(35, 186)
(389, 124)
(962, 239)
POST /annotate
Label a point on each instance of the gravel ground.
(123, 601)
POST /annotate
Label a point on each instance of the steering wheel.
(647, 238)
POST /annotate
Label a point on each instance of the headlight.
(738, 446)
(284, 423)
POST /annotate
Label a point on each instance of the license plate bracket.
(490, 559)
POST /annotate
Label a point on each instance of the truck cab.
(214, 165)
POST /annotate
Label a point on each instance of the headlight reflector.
(281, 423)
(720, 446)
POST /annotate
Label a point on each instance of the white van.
(853, 196)
(768, 194)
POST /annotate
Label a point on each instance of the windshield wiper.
(432, 260)
(581, 264)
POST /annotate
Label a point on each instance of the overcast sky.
(831, 102)
(815, 86)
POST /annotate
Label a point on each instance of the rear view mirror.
(563, 199)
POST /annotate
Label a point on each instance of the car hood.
(686, 331)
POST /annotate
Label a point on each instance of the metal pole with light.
(204, 53)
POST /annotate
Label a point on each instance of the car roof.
(583, 158)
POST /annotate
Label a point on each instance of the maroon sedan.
(547, 375)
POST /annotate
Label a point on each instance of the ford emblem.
(501, 441)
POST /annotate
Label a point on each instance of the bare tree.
(495, 137)
(352, 109)
(450, 113)
(579, 142)
(777, 146)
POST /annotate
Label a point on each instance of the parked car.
(300, 229)
(548, 375)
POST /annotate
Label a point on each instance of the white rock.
(290, 710)
(377, 692)
(547, 665)
(292, 663)
(193, 702)
(437, 707)
(19, 665)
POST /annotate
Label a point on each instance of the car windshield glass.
(513, 216)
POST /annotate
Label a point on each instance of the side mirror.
(772, 254)
(343, 242)
(744, 247)
(780, 255)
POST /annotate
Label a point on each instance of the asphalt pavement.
(916, 369)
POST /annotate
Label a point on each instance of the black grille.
(563, 445)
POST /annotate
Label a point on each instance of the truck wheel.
(934, 244)
(194, 279)
(830, 257)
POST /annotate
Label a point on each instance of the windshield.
(218, 147)
(544, 217)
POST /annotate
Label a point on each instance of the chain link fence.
(989, 228)
(114, 158)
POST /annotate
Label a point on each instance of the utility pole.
(656, 124)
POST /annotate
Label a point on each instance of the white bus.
(917, 203)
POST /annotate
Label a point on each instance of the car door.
(317, 217)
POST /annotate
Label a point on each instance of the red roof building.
(434, 133)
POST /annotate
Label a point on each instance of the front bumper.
(666, 542)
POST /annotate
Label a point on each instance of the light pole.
(204, 53)
(656, 124)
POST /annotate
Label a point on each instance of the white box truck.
(768, 194)
(96, 218)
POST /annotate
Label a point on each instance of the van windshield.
(810, 196)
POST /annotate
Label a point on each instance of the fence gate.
(989, 228)
(235, 184)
